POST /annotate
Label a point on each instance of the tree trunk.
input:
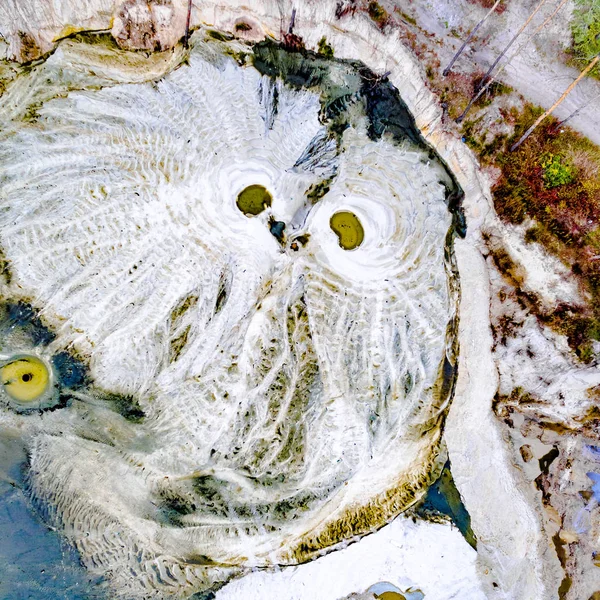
(501, 69)
(557, 103)
(512, 41)
(187, 23)
(575, 113)
(469, 38)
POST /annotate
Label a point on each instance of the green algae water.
(253, 200)
(348, 228)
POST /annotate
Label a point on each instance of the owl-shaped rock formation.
(229, 305)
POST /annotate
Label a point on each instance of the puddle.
(348, 228)
(444, 498)
(253, 200)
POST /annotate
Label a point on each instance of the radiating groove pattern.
(293, 397)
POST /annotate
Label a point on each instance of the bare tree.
(292, 21)
(490, 80)
(575, 113)
(583, 73)
(187, 24)
(512, 41)
(469, 38)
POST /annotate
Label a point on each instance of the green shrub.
(378, 13)
(324, 49)
(585, 27)
(555, 171)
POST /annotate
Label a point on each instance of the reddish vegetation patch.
(566, 215)
(293, 42)
(489, 3)
(345, 8)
